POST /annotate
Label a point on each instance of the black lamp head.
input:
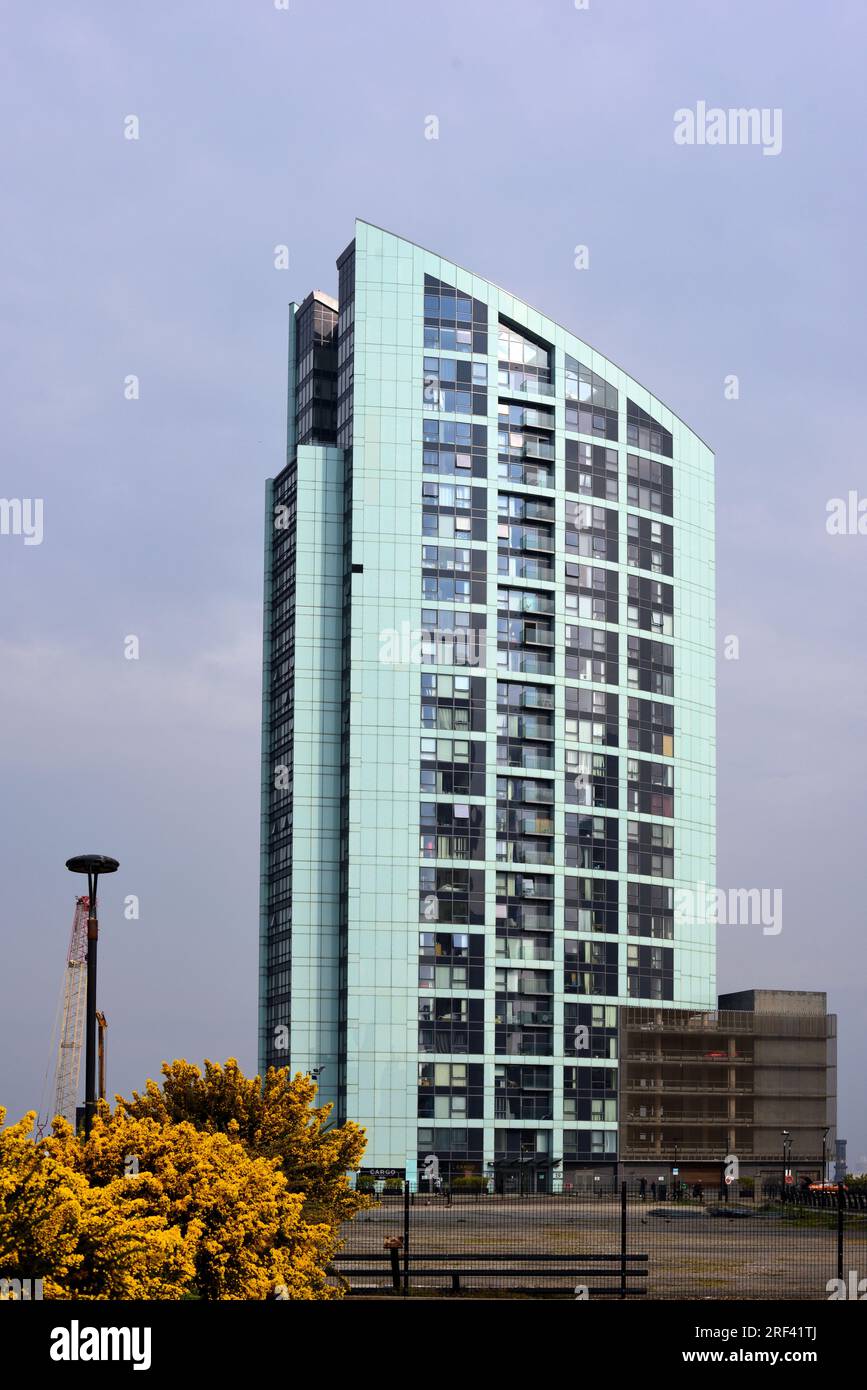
(92, 864)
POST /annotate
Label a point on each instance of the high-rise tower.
(488, 719)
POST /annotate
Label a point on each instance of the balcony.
(529, 759)
(516, 852)
(530, 794)
(514, 381)
(523, 949)
(521, 417)
(522, 1107)
(533, 539)
(530, 726)
(540, 510)
(526, 1018)
(527, 601)
(519, 919)
(536, 634)
(536, 663)
(530, 474)
(537, 449)
(517, 565)
(508, 823)
(525, 631)
(522, 916)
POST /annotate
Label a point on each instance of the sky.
(154, 258)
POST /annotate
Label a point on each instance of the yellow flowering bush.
(277, 1119)
(83, 1241)
(212, 1187)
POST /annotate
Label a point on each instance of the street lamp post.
(93, 865)
(786, 1151)
(825, 1134)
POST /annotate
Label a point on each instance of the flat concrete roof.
(776, 1001)
(323, 298)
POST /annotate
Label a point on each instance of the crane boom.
(71, 1033)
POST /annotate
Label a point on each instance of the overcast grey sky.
(154, 257)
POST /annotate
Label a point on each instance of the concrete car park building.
(754, 1080)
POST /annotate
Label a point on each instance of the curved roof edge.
(362, 221)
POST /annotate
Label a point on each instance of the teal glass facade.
(488, 760)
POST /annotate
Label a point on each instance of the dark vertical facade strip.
(302, 716)
(345, 378)
(316, 370)
(266, 1051)
(266, 780)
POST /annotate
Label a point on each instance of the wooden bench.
(403, 1267)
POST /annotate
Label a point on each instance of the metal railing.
(613, 1242)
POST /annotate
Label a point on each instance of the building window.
(591, 592)
(650, 849)
(591, 716)
(455, 447)
(590, 1030)
(644, 432)
(590, 967)
(590, 1094)
(649, 544)
(650, 972)
(461, 388)
(650, 605)
(591, 402)
(650, 910)
(591, 531)
(453, 321)
(648, 484)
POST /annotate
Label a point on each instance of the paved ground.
(692, 1254)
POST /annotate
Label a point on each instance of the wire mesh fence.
(614, 1244)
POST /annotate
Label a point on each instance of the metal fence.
(614, 1244)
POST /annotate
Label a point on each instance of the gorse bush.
(213, 1186)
